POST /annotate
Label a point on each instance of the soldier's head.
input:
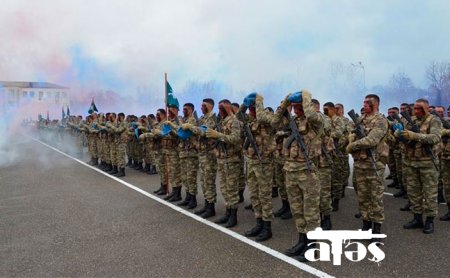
(404, 107)
(225, 108)
(421, 108)
(329, 109)
(431, 108)
(412, 112)
(173, 111)
(235, 107)
(448, 112)
(391, 112)
(121, 116)
(112, 117)
(440, 110)
(207, 105)
(188, 109)
(161, 115)
(339, 109)
(316, 104)
(371, 104)
(269, 109)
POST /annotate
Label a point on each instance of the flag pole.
(166, 159)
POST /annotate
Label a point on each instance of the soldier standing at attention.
(421, 173)
(302, 182)
(258, 149)
(228, 153)
(368, 170)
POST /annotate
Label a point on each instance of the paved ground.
(61, 218)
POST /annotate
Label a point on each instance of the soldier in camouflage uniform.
(258, 149)
(393, 147)
(207, 159)
(228, 160)
(301, 173)
(189, 158)
(91, 128)
(242, 178)
(153, 138)
(421, 174)
(341, 145)
(445, 166)
(119, 132)
(369, 180)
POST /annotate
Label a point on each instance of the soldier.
(401, 158)
(445, 164)
(301, 149)
(153, 138)
(341, 145)
(206, 157)
(188, 157)
(120, 138)
(258, 149)
(421, 173)
(439, 111)
(228, 153)
(171, 151)
(151, 147)
(370, 154)
(393, 148)
(92, 130)
(242, 174)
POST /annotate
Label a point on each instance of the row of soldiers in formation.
(299, 149)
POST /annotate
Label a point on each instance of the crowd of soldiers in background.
(297, 152)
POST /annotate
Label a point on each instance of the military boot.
(406, 207)
(400, 193)
(287, 214)
(170, 194)
(102, 166)
(154, 171)
(376, 230)
(416, 223)
(429, 225)
(274, 192)
(310, 244)
(121, 172)
(130, 162)
(186, 200)
(326, 223)
(203, 209)
(210, 211)
(284, 207)
(114, 171)
(298, 247)
(255, 230)
(232, 220)
(146, 168)
(367, 225)
(335, 204)
(249, 206)
(139, 166)
(177, 195)
(193, 202)
(241, 195)
(224, 219)
(95, 162)
(266, 232)
(159, 189)
(446, 217)
(163, 190)
(441, 198)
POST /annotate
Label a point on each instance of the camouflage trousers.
(422, 181)
(399, 166)
(259, 180)
(391, 164)
(106, 151)
(303, 190)
(445, 171)
(242, 174)
(229, 185)
(113, 153)
(370, 192)
(189, 170)
(279, 179)
(92, 146)
(138, 152)
(173, 167)
(325, 190)
(160, 161)
(339, 176)
(148, 157)
(100, 147)
(120, 154)
(208, 172)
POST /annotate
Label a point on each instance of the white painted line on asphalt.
(229, 232)
(385, 193)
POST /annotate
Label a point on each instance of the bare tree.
(438, 76)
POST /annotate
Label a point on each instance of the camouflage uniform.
(325, 163)
(340, 159)
(92, 140)
(421, 176)
(120, 139)
(370, 182)
(155, 143)
(302, 184)
(189, 161)
(445, 168)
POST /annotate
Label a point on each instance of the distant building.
(43, 92)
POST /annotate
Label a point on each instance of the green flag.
(172, 101)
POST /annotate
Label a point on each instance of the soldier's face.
(368, 106)
(403, 108)
(204, 108)
(186, 111)
(440, 111)
(252, 111)
(419, 109)
(339, 110)
(173, 112)
(298, 110)
(223, 109)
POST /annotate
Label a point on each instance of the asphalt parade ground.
(62, 217)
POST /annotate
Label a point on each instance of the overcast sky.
(244, 45)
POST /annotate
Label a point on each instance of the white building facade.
(15, 93)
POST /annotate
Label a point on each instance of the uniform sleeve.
(312, 116)
(374, 137)
(235, 136)
(434, 137)
(338, 128)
